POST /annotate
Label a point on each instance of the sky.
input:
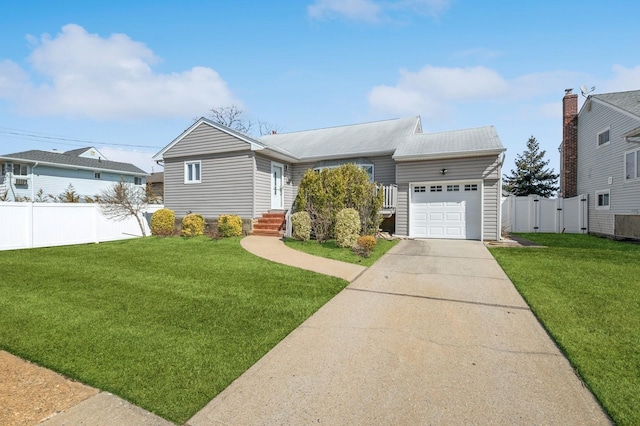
(129, 77)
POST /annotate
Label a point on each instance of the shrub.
(364, 245)
(192, 225)
(301, 224)
(347, 227)
(162, 222)
(324, 194)
(229, 225)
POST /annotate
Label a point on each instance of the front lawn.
(586, 292)
(164, 323)
(331, 251)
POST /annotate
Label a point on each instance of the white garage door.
(445, 211)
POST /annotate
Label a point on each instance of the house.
(24, 174)
(437, 185)
(600, 156)
(156, 184)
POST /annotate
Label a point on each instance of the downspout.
(499, 224)
(33, 182)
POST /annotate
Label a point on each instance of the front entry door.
(277, 201)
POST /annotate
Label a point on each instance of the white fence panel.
(537, 214)
(25, 225)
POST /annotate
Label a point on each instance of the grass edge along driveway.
(586, 292)
(330, 250)
(166, 324)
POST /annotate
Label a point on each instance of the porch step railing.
(390, 199)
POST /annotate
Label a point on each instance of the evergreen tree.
(531, 175)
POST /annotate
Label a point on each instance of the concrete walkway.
(433, 333)
(274, 249)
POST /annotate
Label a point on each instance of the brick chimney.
(569, 154)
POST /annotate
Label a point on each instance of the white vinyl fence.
(26, 225)
(537, 214)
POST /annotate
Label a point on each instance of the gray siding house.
(24, 174)
(437, 185)
(601, 157)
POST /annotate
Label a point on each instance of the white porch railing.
(390, 199)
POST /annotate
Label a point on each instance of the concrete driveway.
(433, 333)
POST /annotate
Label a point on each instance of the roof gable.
(88, 152)
(625, 102)
(203, 125)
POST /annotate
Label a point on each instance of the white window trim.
(186, 172)
(637, 163)
(608, 206)
(608, 128)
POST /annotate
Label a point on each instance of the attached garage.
(446, 210)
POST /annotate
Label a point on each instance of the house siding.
(54, 181)
(226, 187)
(205, 140)
(596, 164)
(485, 168)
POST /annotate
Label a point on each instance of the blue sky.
(129, 77)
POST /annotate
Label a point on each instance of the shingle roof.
(628, 101)
(73, 160)
(452, 143)
(344, 141)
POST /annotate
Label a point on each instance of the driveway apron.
(433, 333)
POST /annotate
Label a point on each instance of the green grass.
(586, 292)
(331, 251)
(164, 323)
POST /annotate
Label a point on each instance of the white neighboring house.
(600, 156)
(24, 174)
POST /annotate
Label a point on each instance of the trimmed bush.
(347, 227)
(162, 222)
(229, 225)
(192, 225)
(301, 224)
(364, 245)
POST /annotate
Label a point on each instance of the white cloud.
(436, 91)
(623, 79)
(373, 11)
(105, 78)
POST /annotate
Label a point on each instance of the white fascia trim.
(443, 155)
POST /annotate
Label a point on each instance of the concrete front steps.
(270, 224)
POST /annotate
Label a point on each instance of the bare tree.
(124, 199)
(231, 116)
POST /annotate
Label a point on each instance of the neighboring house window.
(603, 137)
(192, 172)
(632, 164)
(3, 169)
(20, 169)
(602, 200)
(137, 180)
(97, 175)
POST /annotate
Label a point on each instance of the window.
(419, 189)
(363, 164)
(97, 175)
(603, 137)
(137, 180)
(192, 172)
(471, 187)
(602, 200)
(435, 188)
(632, 164)
(453, 188)
(3, 169)
(20, 169)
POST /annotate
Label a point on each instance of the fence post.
(30, 225)
(559, 215)
(583, 213)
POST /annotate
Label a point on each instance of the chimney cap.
(568, 91)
